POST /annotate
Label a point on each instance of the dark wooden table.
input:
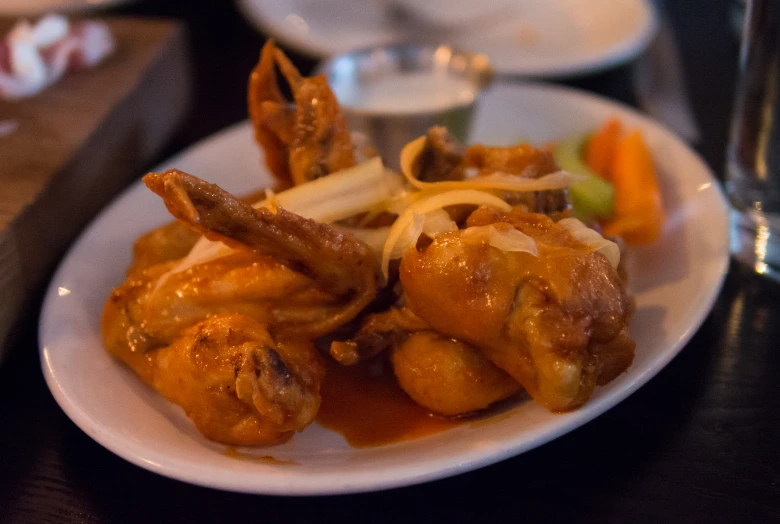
(699, 443)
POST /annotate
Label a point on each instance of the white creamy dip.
(410, 93)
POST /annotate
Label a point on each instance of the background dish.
(117, 410)
(527, 38)
(40, 7)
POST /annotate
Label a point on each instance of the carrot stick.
(639, 214)
(600, 151)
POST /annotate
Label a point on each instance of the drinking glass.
(753, 157)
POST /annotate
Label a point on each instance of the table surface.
(700, 442)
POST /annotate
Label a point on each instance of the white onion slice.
(408, 237)
(437, 223)
(501, 236)
(342, 194)
(592, 239)
(399, 233)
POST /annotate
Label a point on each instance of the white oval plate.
(530, 38)
(675, 281)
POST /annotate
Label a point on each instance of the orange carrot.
(639, 214)
(600, 151)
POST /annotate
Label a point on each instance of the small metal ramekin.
(390, 131)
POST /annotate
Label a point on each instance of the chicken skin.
(339, 263)
(168, 242)
(442, 374)
(202, 337)
(444, 158)
(301, 142)
(556, 322)
(237, 384)
(447, 376)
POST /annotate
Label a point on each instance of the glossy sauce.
(365, 404)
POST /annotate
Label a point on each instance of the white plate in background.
(675, 282)
(531, 38)
(29, 8)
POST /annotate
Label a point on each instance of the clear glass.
(753, 169)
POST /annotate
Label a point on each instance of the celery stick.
(592, 195)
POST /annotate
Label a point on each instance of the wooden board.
(77, 144)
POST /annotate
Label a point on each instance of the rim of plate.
(616, 55)
(349, 482)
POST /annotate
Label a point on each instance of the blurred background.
(674, 60)
(698, 50)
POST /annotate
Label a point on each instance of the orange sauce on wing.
(365, 404)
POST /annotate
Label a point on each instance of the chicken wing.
(200, 336)
(439, 373)
(152, 307)
(171, 241)
(448, 376)
(442, 157)
(378, 332)
(339, 263)
(237, 384)
(558, 323)
(163, 244)
(303, 142)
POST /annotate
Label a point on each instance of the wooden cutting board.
(77, 145)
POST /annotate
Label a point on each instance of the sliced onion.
(408, 237)
(342, 194)
(493, 181)
(203, 251)
(592, 239)
(398, 232)
(501, 236)
(334, 197)
(433, 224)
(437, 223)
(373, 237)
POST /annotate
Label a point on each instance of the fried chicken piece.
(163, 333)
(339, 263)
(170, 241)
(237, 384)
(558, 323)
(335, 274)
(448, 376)
(522, 160)
(442, 157)
(152, 310)
(378, 332)
(439, 373)
(303, 142)
(272, 118)
(163, 244)
(200, 336)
